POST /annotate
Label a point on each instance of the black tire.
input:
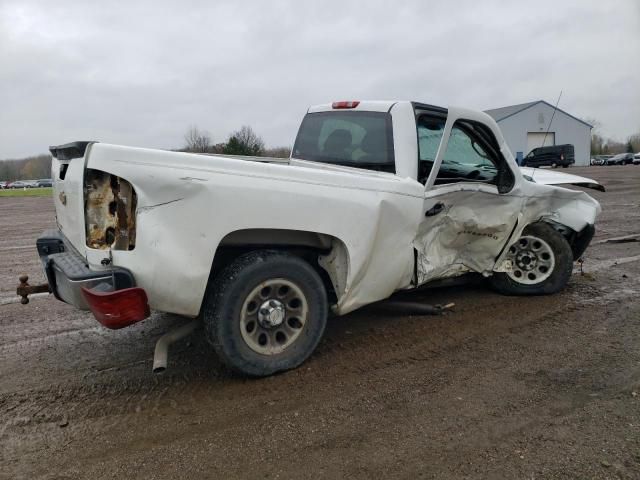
(560, 274)
(228, 292)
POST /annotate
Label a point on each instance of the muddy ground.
(500, 388)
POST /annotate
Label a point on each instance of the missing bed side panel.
(110, 206)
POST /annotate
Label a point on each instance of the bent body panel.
(188, 203)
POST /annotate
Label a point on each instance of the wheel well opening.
(309, 246)
(578, 241)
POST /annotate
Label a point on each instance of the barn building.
(524, 127)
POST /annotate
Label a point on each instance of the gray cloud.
(139, 73)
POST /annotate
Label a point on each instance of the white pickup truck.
(376, 197)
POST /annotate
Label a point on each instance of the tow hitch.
(24, 289)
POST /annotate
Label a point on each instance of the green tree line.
(30, 168)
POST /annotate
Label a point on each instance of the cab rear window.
(353, 139)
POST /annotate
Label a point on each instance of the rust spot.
(110, 205)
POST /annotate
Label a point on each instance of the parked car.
(597, 160)
(44, 182)
(552, 156)
(620, 159)
(636, 159)
(376, 197)
(20, 184)
(3, 184)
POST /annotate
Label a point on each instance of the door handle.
(436, 209)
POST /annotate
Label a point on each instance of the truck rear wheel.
(542, 262)
(265, 313)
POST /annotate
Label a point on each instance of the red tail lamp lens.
(348, 104)
(120, 308)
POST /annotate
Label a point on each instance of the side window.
(430, 131)
(468, 156)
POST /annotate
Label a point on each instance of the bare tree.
(613, 147)
(197, 140)
(598, 142)
(634, 141)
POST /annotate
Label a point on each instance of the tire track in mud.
(385, 399)
(110, 396)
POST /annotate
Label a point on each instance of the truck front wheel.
(265, 312)
(541, 263)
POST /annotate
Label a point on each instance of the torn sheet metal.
(110, 205)
(475, 228)
(467, 235)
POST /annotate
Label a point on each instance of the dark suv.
(554, 156)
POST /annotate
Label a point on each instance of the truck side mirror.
(504, 179)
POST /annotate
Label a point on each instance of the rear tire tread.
(224, 299)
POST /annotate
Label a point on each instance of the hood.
(550, 177)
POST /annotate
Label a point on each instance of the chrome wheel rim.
(532, 260)
(273, 316)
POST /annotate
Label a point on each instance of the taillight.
(348, 104)
(118, 309)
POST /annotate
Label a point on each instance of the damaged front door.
(469, 215)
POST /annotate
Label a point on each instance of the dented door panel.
(468, 234)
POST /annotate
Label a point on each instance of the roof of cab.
(364, 105)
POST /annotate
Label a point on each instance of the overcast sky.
(140, 73)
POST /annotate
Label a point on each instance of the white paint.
(187, 203)
(539, 139)
(554, 177)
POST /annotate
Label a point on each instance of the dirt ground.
(502, 387)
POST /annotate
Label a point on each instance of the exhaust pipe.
(162, 345)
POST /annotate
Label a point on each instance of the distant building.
(524, 127)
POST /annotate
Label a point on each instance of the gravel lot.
(525, 388)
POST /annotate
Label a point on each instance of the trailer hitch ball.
(24, 282)
(24, 289)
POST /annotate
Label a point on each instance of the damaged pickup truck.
(376, 197)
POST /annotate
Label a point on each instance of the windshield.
(353, 139)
